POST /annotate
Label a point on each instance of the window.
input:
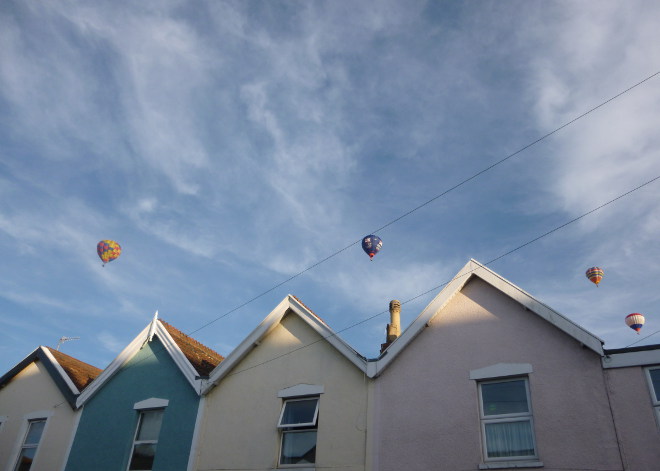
(146, 439)
(29, 449)
(298, 422)
(654, 382)
(506, 420)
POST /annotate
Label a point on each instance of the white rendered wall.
(32, 393)
(426, 409)
(639, 432)
(239, 423)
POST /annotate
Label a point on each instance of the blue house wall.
(104, 438)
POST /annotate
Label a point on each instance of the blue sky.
(227, 146)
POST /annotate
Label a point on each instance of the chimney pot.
(394, 327)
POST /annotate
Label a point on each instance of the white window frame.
(506, 418)
(296, 428)
(654, 394)
(24, 446)
(136, 442)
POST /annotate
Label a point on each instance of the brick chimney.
(393, 330)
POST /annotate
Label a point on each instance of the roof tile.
(202, 358)
(81, 373)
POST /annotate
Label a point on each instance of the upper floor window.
(30, 443)
(146, 439)
(298, 422)
(654, 382)
(506, 420)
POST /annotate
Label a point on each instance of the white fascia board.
(246, 346)
(474, 268)
(61, 371)
(422, 321)
(564, 324)
(267, 325)
(119, 361)
(328, 334)
(177, 355)
(622, 360)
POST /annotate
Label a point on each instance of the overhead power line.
(435, 288)
(426, 203)
(441, 285)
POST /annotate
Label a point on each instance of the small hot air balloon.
(635, 321)
(108, 250)
(595, 274)
(371, 244)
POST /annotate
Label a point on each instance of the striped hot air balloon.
(635, 321)
(595, 274)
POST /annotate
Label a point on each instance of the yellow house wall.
(239, 425)
(31, 392)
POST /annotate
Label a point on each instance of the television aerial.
(65, 339)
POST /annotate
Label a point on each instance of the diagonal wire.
(448, 190)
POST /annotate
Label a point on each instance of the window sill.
(294, 468)
(511, 464)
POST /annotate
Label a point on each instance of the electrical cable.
(435, 288)
(450, 189)
(643, 338)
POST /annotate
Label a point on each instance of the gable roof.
(476, 269)
(71, 376)
(193, 359)
(289, 305)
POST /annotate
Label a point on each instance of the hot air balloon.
(108, 250)
(595, 274)
(371, 244)
(635, 321)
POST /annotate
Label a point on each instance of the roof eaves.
(54, 369)
(289, 304)
(474, 268)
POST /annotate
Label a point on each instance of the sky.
(229, 146)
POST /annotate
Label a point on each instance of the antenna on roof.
(65, 339)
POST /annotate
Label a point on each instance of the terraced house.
(140, 413)
(38, 413)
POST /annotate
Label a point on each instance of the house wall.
(33, 392)
(426, 409)
(639, 433)
(105, 434)
(239, 426)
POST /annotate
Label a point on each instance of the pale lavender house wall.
(426, 407)
(639, 433)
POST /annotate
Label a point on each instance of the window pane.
(508, 397)
(25, 460)
(34, 432)
(298, 447)
(143, 457)
(150, 425)
(509, 439)
(655, 379)
(299, 412)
